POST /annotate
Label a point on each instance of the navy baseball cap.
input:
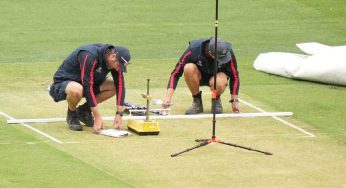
(123, 56)
(224, 55)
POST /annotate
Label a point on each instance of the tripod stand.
(204, 142)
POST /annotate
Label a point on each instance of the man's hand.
(118, 121)
(235, 105)
(98, 124)
(166, 104)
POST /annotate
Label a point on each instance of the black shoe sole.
(79, 129)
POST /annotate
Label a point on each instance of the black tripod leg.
(201, 140)
(243, 147)
(189, 149)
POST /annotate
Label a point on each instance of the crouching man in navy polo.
(197, 64)
(84, 74)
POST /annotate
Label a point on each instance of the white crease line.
(72, 142)
(34, 129)
(60, 142)
(279, 119)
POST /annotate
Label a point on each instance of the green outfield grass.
(37, 35)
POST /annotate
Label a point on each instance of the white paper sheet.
(115, 133)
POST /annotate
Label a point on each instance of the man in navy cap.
(84, 74)
(197, 64)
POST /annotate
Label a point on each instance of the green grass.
(29, 162)
(37, 35)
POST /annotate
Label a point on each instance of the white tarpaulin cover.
(321, 63)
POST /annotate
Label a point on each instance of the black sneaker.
(72, 121)
(85, 115)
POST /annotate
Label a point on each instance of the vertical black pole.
(216, 61)
(204, 142)
(147, 117)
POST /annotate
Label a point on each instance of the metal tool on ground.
(204, 142)
(144, 127)
(139, 110)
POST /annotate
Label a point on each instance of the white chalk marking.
(33, 129)
(279, 119)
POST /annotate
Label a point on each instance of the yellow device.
(144, 127)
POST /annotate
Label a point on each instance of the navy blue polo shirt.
(87, 66)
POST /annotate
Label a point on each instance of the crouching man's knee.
(74, 90)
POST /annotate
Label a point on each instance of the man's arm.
(87, 67)
(119, 84)
(234, 82)
(174, 78)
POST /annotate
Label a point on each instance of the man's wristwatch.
(119, 113)
(233, 100)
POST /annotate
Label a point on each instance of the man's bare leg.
(221, 83)
(192, 78)
(74, 93)
(107, 89)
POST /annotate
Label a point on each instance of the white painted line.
(39, 120)
(34, 129)
(198, 116)
(72, 142)
(279, 119)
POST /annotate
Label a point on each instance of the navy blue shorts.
(57, 90)
(205, 78)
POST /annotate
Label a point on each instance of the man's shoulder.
(96, 51)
